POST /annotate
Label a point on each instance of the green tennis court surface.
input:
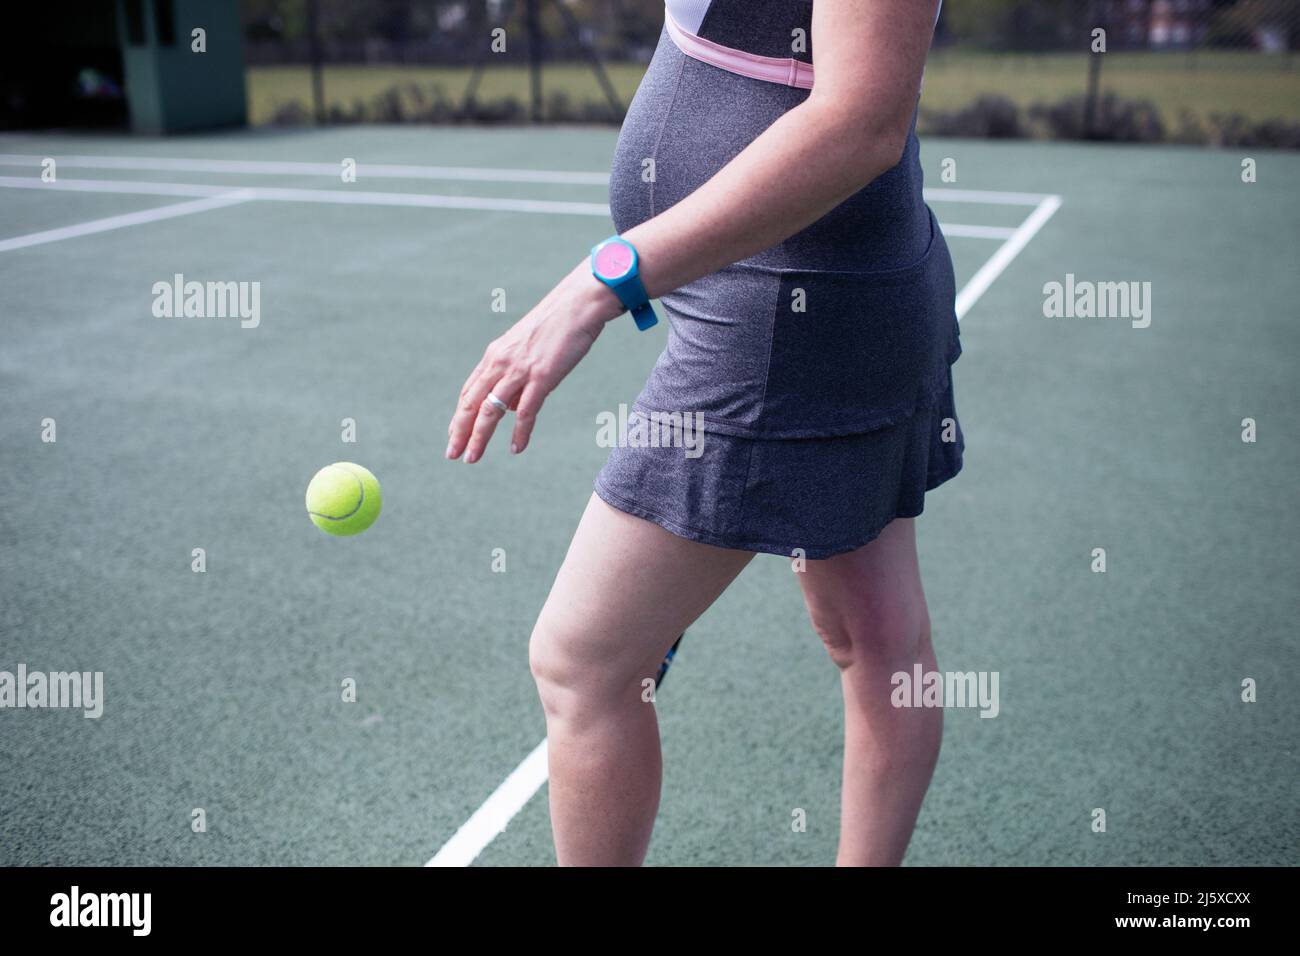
(223, 690)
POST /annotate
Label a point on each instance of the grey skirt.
(815, 497)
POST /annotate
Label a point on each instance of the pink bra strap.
(773, 69)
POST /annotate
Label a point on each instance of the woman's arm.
(852, 127)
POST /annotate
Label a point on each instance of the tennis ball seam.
(361, 500)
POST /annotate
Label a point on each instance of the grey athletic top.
(847, 325)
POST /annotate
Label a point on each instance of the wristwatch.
(614, 262)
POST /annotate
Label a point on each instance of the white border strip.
(228, 198)
(364, 197)
(126, 186)
(979, 283)
(426, 200)
(332, 170)
(988, 198)
(496, 813)
(341, 196)
(394, 171)
(957, 230)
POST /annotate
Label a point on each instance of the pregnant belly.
(688, 119)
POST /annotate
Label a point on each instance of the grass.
(269, 88)
(1259, 87)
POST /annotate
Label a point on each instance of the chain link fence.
(1220, 72)
(446, 60)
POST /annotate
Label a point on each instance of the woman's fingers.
(489, 413)
(467, 406)
(477, 416)
(469, 382)
(530, 402)
(521, 368)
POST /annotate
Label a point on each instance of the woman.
(810, 292)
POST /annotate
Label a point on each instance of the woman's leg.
(869, 609)
(626, 591)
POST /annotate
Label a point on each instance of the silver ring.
(498, 403)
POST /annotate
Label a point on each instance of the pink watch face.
(614, 260)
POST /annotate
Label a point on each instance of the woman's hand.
(526, 363)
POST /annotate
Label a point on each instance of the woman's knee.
(576, 670)
(553, 664)
(876, 634)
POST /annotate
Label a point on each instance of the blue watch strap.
(644, 314)
(631, 293)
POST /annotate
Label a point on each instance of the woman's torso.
(844, 326)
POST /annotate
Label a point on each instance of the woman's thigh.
(626, 590)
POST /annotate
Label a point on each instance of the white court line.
(981, 280)
(397, 171)
(332, 170)
(339, 196)
(989, 197)
(362, 197)
(956, 230)
(126, 186)
(371, 198)
(497, 811)
(229, 198)
(491, 819)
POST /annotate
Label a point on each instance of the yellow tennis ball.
(343, 498)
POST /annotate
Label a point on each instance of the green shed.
(155, 66)
(183, 64)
